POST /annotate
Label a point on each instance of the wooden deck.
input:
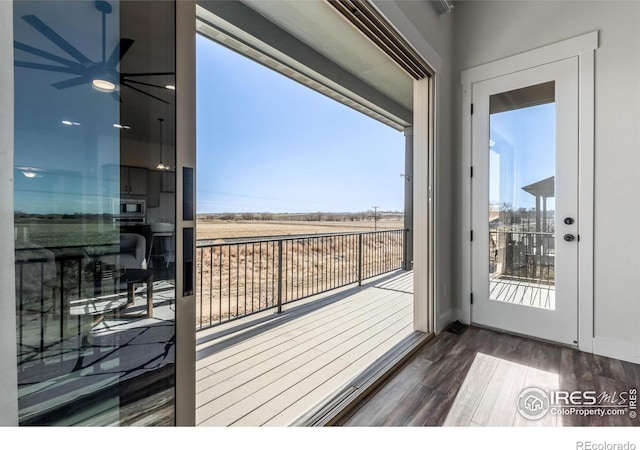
(270, 369)
(524, 292)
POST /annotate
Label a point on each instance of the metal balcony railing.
(242, 277)
(523, 255)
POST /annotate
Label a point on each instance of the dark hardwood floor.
(474, 379)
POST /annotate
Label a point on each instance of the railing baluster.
(63, 312)
(378, 251)
(201, 262)
(298, 270)
(246, 255)
(279, 276)
(220, 284)
(342, 259)
(21, 283)
(229, 280)
(286, 271)
(260, 278)
(265, 280)
(360, 255)
(237, 280)
(331, 256)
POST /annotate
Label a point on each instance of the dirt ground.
(220, 229)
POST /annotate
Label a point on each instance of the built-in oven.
(129, 211)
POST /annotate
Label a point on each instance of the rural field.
(213, 229)
(235, 279)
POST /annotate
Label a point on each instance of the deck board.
(286, 365)
(299, 406)
(317, 337)
(331, 314)
(522, 291)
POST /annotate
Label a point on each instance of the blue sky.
(524, 139)
(267, 143)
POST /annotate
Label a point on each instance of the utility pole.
(375, 218)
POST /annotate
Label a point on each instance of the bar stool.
(161, 237)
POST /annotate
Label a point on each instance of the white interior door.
(525, 202)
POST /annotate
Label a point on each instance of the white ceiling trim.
(396, 18)
(536, 57)
(227, 34)
(367, 20)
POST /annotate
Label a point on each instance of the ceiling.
(43, 107)
(317, 24)
(312, 43)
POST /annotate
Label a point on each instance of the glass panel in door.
(522, 155)
(95, 306)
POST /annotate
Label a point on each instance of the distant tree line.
(311, 217)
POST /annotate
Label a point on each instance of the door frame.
(185, 349)
(559, 324)
(8, 373)
(583, 47)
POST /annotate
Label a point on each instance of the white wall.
(486, 31)
(436, 30)
(8, 374)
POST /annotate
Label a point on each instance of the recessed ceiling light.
(103, 85)
(122, 127)
(29, 172)
(171, 87)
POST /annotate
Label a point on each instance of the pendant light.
(161, 165)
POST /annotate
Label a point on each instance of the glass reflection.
(94, 219)
(521, 195)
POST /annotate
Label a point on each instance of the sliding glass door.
(94, 196)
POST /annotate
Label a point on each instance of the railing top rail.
(288, 237)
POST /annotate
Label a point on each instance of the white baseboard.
(617, 350)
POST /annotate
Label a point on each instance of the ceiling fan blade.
(71, 82)
(149, 74)
(145, 84)
(35, 51)
(145, 93)
(56, 38)
(47, 67)
(119, 51)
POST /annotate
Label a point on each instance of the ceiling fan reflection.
(103, 75)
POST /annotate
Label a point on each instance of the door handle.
(569, 237)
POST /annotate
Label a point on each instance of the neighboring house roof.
(542, 188)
